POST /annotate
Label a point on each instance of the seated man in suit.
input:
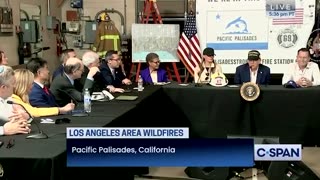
(153, 74)
(65, 55)
(252, 71)
(12, 120)
(91, 64)
(40, 96)
(112, 73)
(63, 87)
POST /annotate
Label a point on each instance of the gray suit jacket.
(64, 91)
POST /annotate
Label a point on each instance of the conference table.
(209, 112)
(290, 114)
(46, 158)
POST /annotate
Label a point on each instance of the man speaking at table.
(252, 71)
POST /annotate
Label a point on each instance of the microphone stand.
(40, 134)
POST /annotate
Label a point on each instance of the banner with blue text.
(131, 147)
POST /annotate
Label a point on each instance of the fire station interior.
(44, 28)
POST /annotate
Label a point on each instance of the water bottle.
(140, 83)
(87, 101)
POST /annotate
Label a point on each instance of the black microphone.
(40, 134)
(45, 48)
(41, 49)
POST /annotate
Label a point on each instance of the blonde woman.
(203, 72)
(24, 80)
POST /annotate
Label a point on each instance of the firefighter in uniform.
(107, 36)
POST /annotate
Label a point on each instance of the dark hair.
(65, 51)
(35, 64)
(109, 54)
(151, 56)
(1, 52)
(201, 66)
(64, 54)
(304, 50)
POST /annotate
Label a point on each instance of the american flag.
(189, 46)
(296, 19)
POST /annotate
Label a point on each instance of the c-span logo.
(277, 152)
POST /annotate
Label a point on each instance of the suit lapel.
(247, 74)
(66, 78)
(259, 74)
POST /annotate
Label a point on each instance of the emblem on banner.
(1, 171)
(250, 91)
(287, 38)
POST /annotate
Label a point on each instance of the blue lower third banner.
(160, 152)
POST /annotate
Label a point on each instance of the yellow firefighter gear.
(107, 38)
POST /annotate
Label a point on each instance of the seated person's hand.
(17, 109)
(18, 116)
(120, 90)
(112, 89)
(126, 81)
(16, 127)
(93, 71)
(305, 82)
(300, 82)
(67, 108)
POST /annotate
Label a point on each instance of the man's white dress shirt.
(311, 72)
(5, 111)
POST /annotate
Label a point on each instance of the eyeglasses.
(116, 59)
(207, 78)
(156, 62)
(11, 143)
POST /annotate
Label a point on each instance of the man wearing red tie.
(40, 95)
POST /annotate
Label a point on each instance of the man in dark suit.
(112, 73)
(40, 96)
(65, 55)
(63, 87)
(252, 71)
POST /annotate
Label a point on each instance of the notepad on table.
(126, 98)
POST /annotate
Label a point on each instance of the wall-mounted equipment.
(30, 31)
(51, 22)
(6, 22)
(90, 32)
(77, 41)
(73, 26)
(76, 4)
